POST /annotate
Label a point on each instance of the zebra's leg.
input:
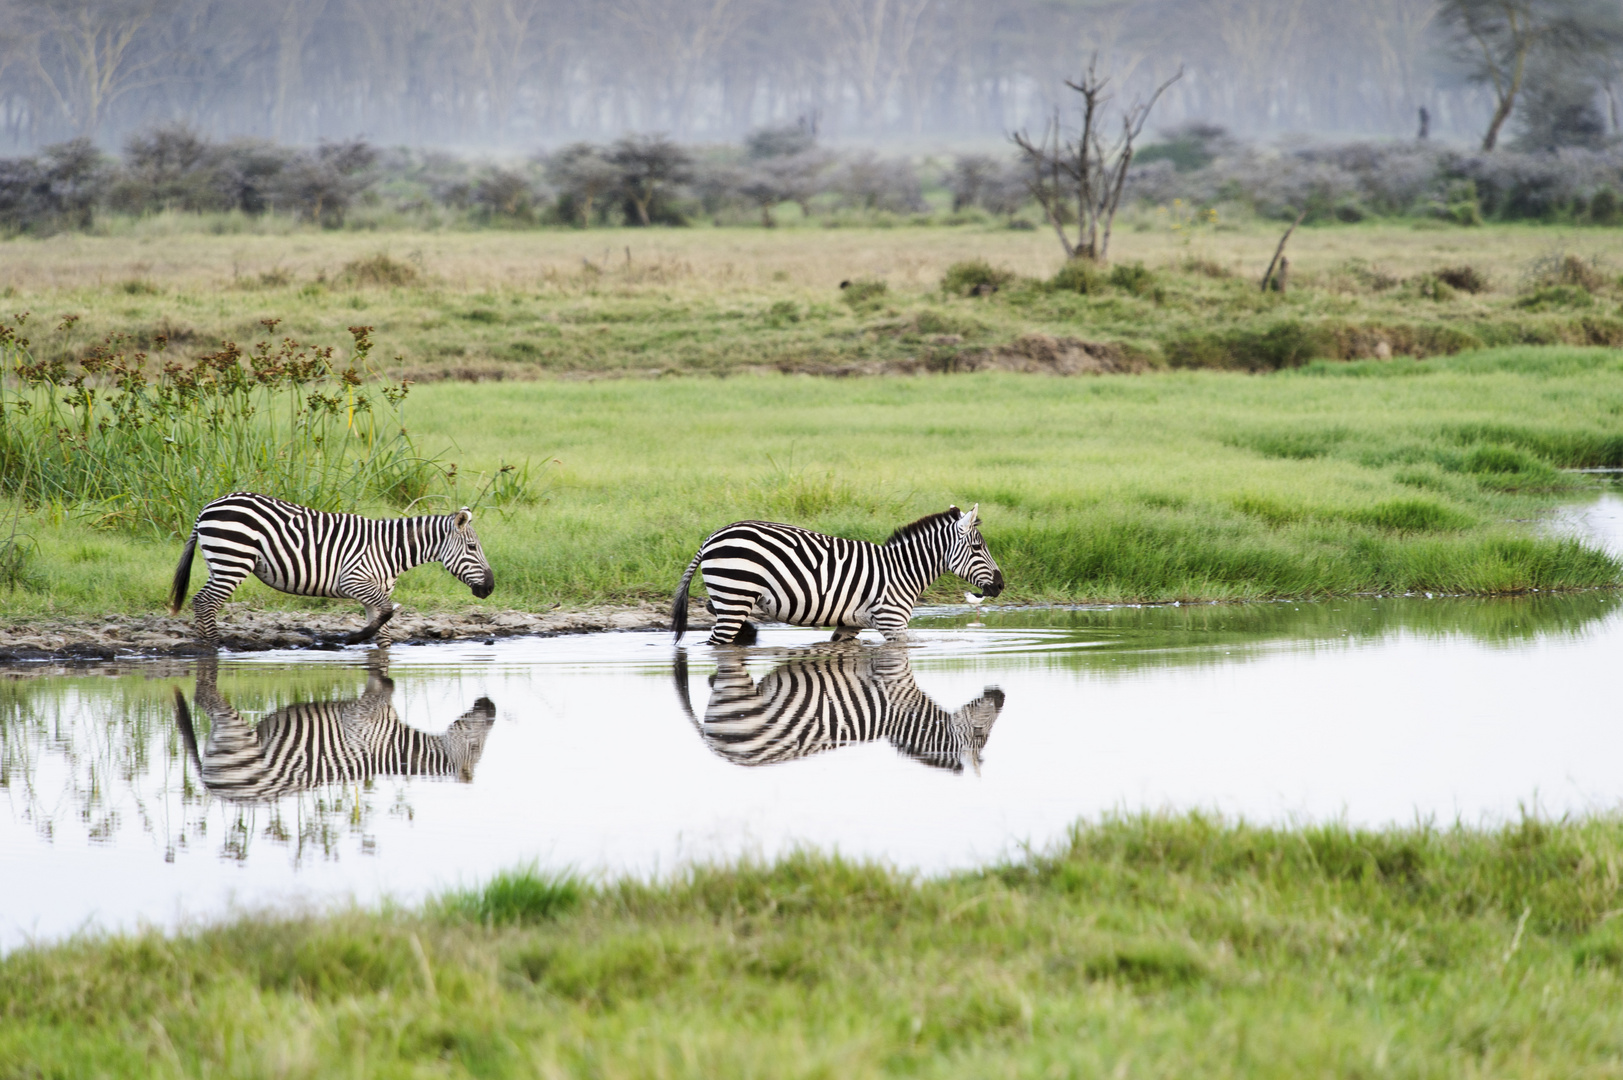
(894, 626)
(223, 581)
(747, 633)
(379, 608)
(845, 633)
(731, 621)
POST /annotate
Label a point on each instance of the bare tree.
(85, 57)
(1083, 172)
(1497, 39)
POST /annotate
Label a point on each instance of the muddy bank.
(245, 630)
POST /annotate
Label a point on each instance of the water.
(123, 802)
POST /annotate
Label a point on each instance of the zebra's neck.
(913, 562)
(420, 539)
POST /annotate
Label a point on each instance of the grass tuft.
(380, 270)
(516, 897)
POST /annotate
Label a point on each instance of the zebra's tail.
(679, 673)
(183, 720)
(183, 575)
(679, 605)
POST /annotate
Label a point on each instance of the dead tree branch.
(1083, 171)
(1279, 251)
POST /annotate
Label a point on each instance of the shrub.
(1196, 264)
(1464, 277)
(58, 190)
(1432, 288)
(1078, 276)
(1603, 208)
(1564, 268)
(1285, 344)
(1135, 278)
(1556, 296)
(380, 270)
(869, 182)
(863, 292)
(505, 193)
(974, 277)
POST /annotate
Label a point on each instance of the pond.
(156, 791)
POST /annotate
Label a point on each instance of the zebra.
(311, 744)
(312, 553)
(821, 699)
(766, 570)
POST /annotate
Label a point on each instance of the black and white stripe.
(819, 701)
(313, 744)
(765, 570)
(312, 553)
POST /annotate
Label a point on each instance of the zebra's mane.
(923, 525)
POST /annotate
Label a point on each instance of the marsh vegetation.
(1146, 944)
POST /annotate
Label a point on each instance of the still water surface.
(155, 791)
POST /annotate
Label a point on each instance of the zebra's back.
(793, 575)
(288, 546)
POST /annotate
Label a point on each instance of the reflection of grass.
(1113, 488)
(1126, 639)
(1179, 945)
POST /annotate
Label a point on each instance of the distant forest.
(522, 74)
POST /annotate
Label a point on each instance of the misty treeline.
(783, 172)
(512, 74)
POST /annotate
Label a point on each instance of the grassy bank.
(1141, 947)
(495, 304)
(1333, 479)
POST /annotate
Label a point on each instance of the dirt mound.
(1032, 353)
(1045, 354)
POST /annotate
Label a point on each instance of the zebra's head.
(967, 555)
(464, 558)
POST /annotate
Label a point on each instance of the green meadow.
(1139, 947)
(1335, 478)
(1182, 290)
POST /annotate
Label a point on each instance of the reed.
(110, 440)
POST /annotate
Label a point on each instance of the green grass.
(1330, 480)
(1143, 946)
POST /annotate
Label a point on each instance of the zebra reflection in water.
(823, 698)
(311, 744)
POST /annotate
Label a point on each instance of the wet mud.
(243, 629)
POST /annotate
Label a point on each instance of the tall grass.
(145, 450)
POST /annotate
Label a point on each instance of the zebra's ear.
(463, 516)
(954, 511)
(974, 515)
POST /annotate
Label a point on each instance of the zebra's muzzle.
(996, 586)
(485, 587)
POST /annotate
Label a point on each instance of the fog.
(510, 76)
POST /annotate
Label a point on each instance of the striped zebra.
(824, 699)
(312, 744)
(761, 569)
(312, 553)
